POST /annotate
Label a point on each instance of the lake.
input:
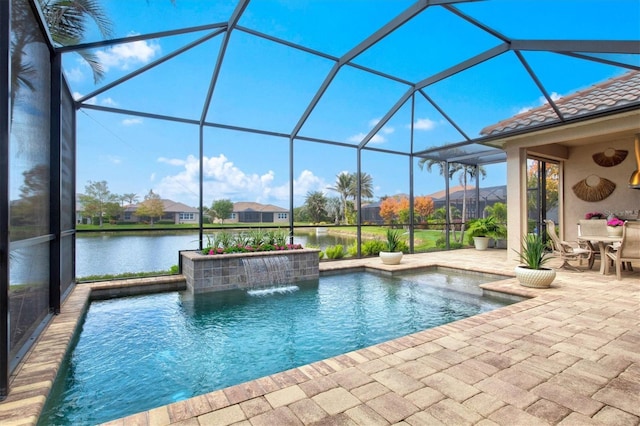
(115, 253)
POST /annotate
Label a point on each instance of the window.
(186, 216)
(283, 215)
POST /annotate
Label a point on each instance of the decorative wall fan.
(610, 157)
(593, 188)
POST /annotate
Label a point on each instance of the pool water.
(137, 353)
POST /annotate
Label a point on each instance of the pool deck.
(569, 355)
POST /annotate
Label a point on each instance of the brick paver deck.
(570, 355)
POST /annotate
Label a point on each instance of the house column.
(517, 199)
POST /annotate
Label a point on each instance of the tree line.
(100, 203)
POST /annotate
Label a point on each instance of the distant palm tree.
(316, 205)
(344, 186)
(466, 171)
(129, 198)
(334, 209)
(366, 186)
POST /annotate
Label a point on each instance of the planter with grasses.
(534, 255)
(392, 255)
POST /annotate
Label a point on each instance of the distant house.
(488, 197)
(371, 211)
(247, 212)
(173, 211)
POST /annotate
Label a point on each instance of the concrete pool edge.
(32, 380)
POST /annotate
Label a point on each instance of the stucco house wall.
(580, 165)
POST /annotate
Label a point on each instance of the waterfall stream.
(267, 271)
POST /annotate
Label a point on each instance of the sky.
(267, 86)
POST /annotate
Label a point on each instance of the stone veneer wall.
(227, 271)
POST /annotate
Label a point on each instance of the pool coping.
(34, 377)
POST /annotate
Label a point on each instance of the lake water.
(115, 253)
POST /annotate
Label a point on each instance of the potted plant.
(482, 230)
(614, 227)
(393, 253)
(534, 255)
(501, 237)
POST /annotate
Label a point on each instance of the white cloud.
(543, 101)
(424, 124)
(126, 56)
(172, 161)
(74, 75)
(223, 179)
(131, 121)
(90, 101)
(108, 102)
(554, 96)
(376, 139)
(114, 159)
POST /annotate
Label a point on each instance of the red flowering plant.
(614, 221)
(251, 242)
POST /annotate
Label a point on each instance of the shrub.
(335, 252)
(441, 244)
(372, 247)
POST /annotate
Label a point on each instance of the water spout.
(267, 271)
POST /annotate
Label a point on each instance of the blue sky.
(267, 86)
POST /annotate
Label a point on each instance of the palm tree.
(129, 198)
(366, 186)
(315, 203)
(66, 20)
(466, 171)
(334, 209)
(344, 186)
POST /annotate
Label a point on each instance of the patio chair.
(568, 252)
(596, 227)
(628, 251)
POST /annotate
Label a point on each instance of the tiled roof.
(244, 206)
(169, 206)
(615, 92)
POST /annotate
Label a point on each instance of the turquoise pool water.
(137, 353)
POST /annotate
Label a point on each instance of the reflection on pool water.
(137, 353)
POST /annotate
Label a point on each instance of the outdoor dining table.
(603, 241)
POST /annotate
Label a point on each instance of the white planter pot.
(391, 257)
(614, 231)
(481, 243)
(536, 278)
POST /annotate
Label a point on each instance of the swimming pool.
(137, 353)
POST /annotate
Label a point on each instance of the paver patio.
(569, 355)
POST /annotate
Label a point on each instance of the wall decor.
(593, 188)
(610, 157)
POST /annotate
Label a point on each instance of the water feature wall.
(248, 270)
